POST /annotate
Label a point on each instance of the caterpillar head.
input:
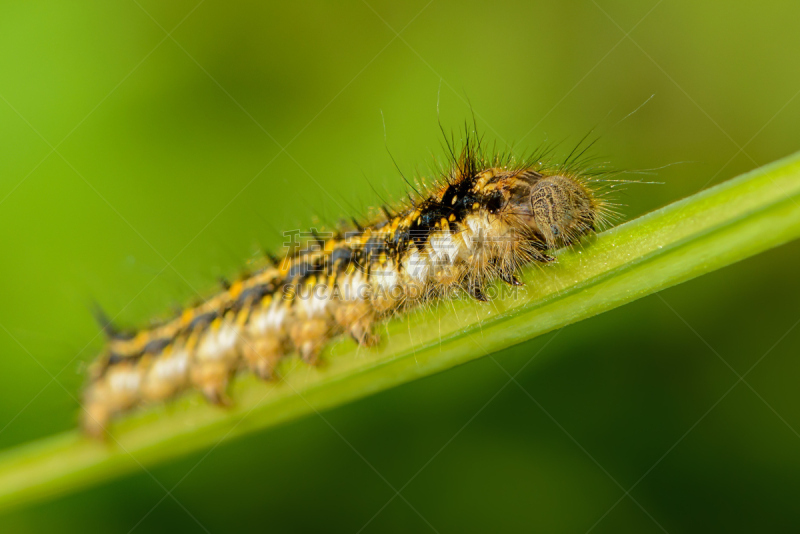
(557, 209)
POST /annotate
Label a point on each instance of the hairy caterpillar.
(484, 218)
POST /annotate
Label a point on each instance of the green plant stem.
(707, 231)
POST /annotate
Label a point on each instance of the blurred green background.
(137, 165)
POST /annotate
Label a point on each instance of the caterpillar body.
(483, 219)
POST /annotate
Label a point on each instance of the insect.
(483, 218)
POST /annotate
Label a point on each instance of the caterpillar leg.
(262, 354)
(216, 393)
(364, 336)
(358, 319)
(211, 379)
(542, 257)
(510, 278)
(476, 291)
(309, 336)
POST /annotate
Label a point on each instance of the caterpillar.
(483, 218)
